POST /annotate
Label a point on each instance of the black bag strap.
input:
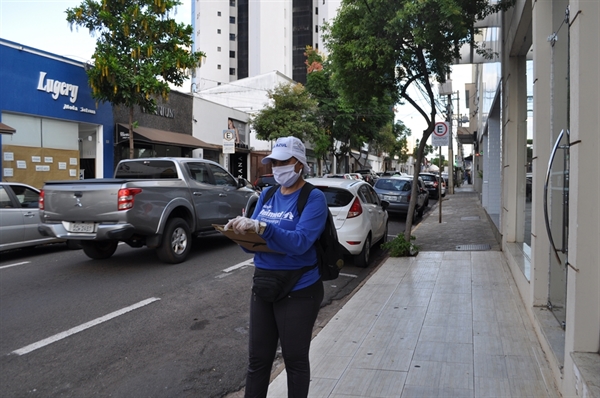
(302, 199)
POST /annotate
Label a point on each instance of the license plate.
(81, 227)
(390, 198)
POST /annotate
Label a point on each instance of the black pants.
(290, 321)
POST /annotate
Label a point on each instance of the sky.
(42, 24)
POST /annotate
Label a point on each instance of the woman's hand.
(241, 224)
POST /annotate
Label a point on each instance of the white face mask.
(286, 176)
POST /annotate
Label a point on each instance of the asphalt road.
(132, 326)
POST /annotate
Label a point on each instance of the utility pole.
(450, 150)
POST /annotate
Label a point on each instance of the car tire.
(73, 244)
(362, 260)
(421, 210)
(99, 250)
(385, 235)
(176, 243)
(250, 211)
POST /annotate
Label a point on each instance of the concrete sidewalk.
(446, 323)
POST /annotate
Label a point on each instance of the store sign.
(62, 89)
(57, 88)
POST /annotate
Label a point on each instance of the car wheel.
(99, 250)
(73, 244)
(250, 211)
(385, 235)
(176, 243)
(362, 260)
(421, 210)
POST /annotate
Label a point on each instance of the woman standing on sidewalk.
(290, 319)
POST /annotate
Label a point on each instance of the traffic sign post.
(440, 138)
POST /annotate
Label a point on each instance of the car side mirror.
(385, 204)
(242, 182)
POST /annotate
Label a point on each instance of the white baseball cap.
(285, 148)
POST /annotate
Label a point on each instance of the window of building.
(218, 31)
(218, 13)
(232, 36)
(316, 28)
(219, 49)
(218, 66)
(316, 46)
(316, 10)
(231, 19)
(232, 71)
(231, 54)
(231, 3)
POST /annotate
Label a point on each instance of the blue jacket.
(291, 236)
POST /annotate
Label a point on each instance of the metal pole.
(450, 150)
(440, 186)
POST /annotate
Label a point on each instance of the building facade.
(537, 168)
(243, 38)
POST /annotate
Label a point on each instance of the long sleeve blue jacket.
(291, 236)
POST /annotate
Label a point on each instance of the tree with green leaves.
(291, 112)
(345, 126)
(380, 48)
(140, 51)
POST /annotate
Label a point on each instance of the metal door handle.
(565, 186)
(28, 215)
(197, 193)
(222, 194)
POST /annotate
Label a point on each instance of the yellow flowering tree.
(140, 51)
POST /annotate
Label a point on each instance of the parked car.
(431, 183)
(356, 176)
(361, 218)
(20, 216)
(346, 176)
(265, 180)
(397, 191)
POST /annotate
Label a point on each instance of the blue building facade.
(61, 132)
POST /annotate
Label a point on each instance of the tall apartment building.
(246, 38)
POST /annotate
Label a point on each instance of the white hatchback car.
(360, 217)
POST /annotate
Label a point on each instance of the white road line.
(15, 264)
(240, 265)
(77, 329)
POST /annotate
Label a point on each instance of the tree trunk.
(413, 194)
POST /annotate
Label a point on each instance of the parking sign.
(440, 134)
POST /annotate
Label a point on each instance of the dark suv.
(265, 180)
(368, 175)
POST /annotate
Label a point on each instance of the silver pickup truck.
(155, 202)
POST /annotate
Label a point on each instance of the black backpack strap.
(269, 194)
(303, 198)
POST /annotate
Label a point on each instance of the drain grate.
(470, 218)
(473, 247)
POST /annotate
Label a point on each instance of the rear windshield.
(427, 177)
(390, 184)
(337, 197)
(147, 169)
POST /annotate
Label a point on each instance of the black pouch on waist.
(272, 286)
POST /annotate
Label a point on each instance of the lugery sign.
(57, 88)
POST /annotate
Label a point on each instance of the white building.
(537, 172)
(243, 38)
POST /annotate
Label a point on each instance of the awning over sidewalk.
(169, 138)
(6, 129)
